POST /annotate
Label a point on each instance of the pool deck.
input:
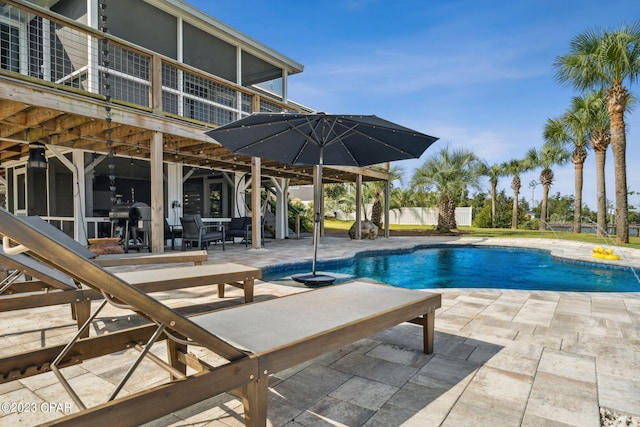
(505, 358)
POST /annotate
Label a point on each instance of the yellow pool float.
(603, 253)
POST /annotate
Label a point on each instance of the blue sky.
(477, 74)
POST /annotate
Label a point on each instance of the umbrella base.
(311, 279)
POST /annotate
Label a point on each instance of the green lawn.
(332, 224)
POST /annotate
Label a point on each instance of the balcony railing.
(51, 48)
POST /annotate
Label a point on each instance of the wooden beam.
(9, 108)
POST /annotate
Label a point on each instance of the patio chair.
(170, 233)
(241, 227)
(254, 340)
(194, 230)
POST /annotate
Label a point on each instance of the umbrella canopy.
(321, 139)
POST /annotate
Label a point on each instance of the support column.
(256, 211)
(282, 207)
(174, 193)
(79, 209)
(239, 188)
(79, 224)
(157, 202)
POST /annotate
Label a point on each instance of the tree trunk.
(601, 193)
(617, 98)
(543, 207)
(376, 212)
(446, 214)
(600, 140)
(514, 213)
(493, 205)
(515, 185)
(577, 207)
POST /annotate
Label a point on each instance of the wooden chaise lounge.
(255, 339)
(51, 287)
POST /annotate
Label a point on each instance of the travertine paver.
(363, 392)
(536, 311)
(503, 392)
(501, 357)
(565, 400)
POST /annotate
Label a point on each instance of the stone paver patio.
(501, 357)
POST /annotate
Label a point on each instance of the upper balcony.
(72, 85)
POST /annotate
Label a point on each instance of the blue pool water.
(473, 267)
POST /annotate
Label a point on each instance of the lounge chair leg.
(428, 329)
(254, 398)
(173, 349)
(81, 311)
(220, 290)
(248, 290)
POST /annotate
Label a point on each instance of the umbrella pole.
(316, 216)
(315, 279)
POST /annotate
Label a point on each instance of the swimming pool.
(473, 267)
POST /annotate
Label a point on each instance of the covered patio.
(103, 119)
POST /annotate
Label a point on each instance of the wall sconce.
(37, 158)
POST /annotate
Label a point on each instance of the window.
(9, 47)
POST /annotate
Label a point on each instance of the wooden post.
(155, 87)
(157, 200)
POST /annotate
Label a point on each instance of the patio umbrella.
(321, 139)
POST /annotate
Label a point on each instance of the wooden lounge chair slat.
(196, 257)
(21, 302)
(86, 349)
(36, 269)
(165, 398)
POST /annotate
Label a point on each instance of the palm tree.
(605, 60)
(550, 154)
(514, 168)
(451, 173)
(494, 172)
(377, 188)
(572, 129)
(590, 112)
(600, 139)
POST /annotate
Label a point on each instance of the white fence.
(417, 216)
(427, 216)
